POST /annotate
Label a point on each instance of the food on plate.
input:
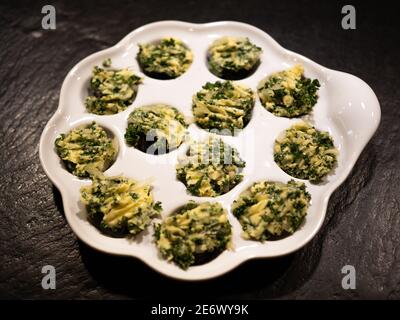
(233, 58)
(156, 129)
(224, 106)
(194, 234)
(210, 168)
(86, 150)
(119, 206)
(111, 90)
(305, 152)
(166, 59)
(289, 93)
(269, 210)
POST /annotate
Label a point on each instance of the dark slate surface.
(363, 221)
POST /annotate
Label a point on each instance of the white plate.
(347, 108)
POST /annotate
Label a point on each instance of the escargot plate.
(347, 108)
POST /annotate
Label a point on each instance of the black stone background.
(362, 224)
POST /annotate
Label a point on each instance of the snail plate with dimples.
(347, 108)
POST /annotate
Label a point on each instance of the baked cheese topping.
(119, 206)
(86, 150)
(195, 230)
(210, 168)
(167, 59)
(111, 91)
(271, 209)
(305, 153)
(288, 93)
(223, 106)
(156, 129)
(233, 58)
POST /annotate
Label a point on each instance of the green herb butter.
(271, 209)
(167, 59)
(119, 206)
(86, 150)
(305, 153)
(156, 129)
(288, 93)
(233, 58)
(223, 106)
(210, 168)
(111, 91)
(196, 232)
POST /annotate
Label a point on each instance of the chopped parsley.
(289, 93)
(86, 150)
(305, 153)
(194, 234)
(224, 106)
(107, 63)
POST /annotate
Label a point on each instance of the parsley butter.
(166, 59)
(210, 168)
(86, 150)
(271, 209)
(119, 206)
(305, 153)
(111, 91)
(289, 93)
(224, 106)
(156, 129)
(233, 58)
(194, 234)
